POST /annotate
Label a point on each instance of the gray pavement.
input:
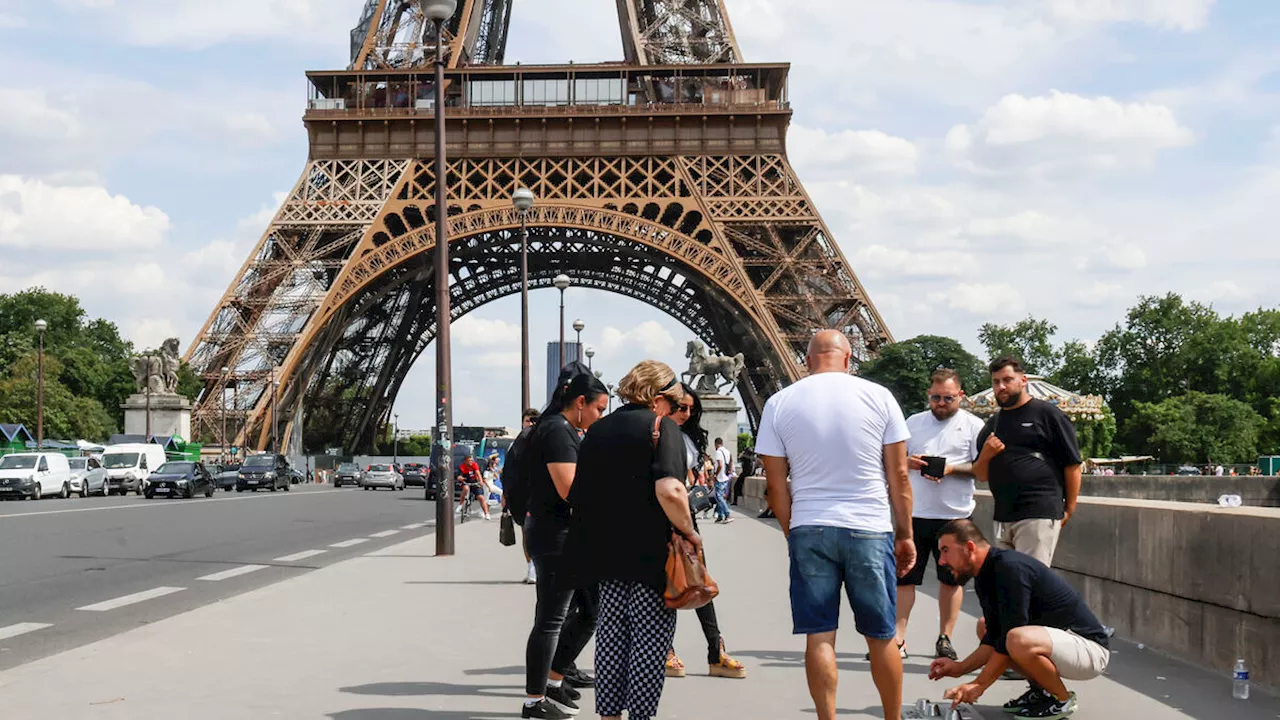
(170, 556)
(397, 634)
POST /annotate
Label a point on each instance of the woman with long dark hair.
(688, 416)
(550, 462)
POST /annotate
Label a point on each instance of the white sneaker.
(531, 577)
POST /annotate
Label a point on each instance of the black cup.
(935, 467)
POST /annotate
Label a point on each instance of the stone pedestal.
(170, 415)
(720, 420)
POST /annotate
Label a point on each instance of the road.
(78, 570)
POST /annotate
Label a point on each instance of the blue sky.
(977, 160)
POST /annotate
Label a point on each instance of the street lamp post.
(578, 326)
(222, 401)
(395, 439)
(41, 326)
(275, 398)
(591, 352)
(523, 200)
(148, 390)
(562, 283)
(609, 387)
(438, 11)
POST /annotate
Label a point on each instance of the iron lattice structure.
(664, 179)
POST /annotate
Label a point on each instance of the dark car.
(178, 478)
(225, 479)
(348, 474)
(264, 471)
(415, 474)
(432, 487)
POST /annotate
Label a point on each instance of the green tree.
(66, 416)
(1029, 340)
(1095, 437)
(1079, 371)
(744, 441)
(1198, 427)
(904, 367)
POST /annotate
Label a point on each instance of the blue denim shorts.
(825, 558)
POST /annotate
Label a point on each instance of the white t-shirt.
(723, 458)
(955, 439)
(832, 428)
(690, 455)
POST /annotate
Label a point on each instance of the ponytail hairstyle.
(693, 426)
(575, 381)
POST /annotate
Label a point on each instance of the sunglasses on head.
(948, 399)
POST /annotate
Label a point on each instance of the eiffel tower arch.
(663, 178)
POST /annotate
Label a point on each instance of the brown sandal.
(728, 667)
(675, 668)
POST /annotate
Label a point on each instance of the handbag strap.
(657, 430)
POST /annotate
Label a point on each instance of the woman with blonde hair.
(628, 494)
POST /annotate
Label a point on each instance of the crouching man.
(1035, 623)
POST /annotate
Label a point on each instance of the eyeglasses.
(684, 408)
(947, 399)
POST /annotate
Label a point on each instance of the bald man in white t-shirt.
(842, 441)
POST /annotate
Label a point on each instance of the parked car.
(87, 477)
(295, 476)
(1188, 470)
(264, 471)
(34, 475)
(415, 474)
(348, 474)
(180, 478)
(225, 479)
(433, 487)
(128, 466)
(382, 476)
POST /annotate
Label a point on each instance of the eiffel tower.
(663, 178)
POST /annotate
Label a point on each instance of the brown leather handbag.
(689, 585)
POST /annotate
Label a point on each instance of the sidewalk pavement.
(401, 635)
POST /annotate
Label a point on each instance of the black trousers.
(558, 636)
(737, 488)
(710, 626)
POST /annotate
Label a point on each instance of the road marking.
(414, 526)
(21, 629)
(349, 543)
(233, 572)
(385, 533)
(299, 556)
(152, 504)
(131, 599)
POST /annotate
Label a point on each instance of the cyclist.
(472, 483)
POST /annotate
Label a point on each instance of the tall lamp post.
(578, 327)
(41, 326)
(395, 439)
(562, 283)
(148, 356)
(222, 397)
(523, 200)
(590, 352)
(275, 398)
(438, 11)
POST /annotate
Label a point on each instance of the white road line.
(385, 533)
(233, 572)
(131, 599)
(152, 504)
(299, 556)
(21, 629)
(414, 526)
(349, 543)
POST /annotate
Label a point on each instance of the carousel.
(1080, 408)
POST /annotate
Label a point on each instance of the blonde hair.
(646, 382)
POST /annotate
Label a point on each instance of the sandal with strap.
(728, 667)
(675, 668)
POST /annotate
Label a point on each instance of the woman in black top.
(688, 416)
(548, 462)
(627, 495)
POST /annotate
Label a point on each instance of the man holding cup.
(940, 452)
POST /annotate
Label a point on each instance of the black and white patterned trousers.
(633, 635)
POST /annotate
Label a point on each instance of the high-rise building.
(572, 351)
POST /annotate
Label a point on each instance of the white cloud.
(1115, 258)
(1060, 131)
(199, 23)
(988, 301)
(1185, 15)
(1098, 294)
(648, 336)
(34, 214)
(846, 153)
(878, 260)
(473, 331)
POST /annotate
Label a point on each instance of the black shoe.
(1011, 674)
(544, 709)
(1032, 696)
(943, 649)
(1050, 708)
(571, 691)
(560, 697)
(579, 679)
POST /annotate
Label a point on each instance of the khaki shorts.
(1077, 658)
(1037, 538)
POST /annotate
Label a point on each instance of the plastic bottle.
(1240, 687)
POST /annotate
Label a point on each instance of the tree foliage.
(904, 368)
(1029, 340)
(66, 415)
(1195, 427)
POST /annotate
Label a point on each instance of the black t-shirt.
(554, 440)
(1027, 480)
(1017, 590)
(619, 530)
(515, 487)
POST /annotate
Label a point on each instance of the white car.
(382, 476)
(34, 475)
(88, 477)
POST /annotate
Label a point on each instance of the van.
(128, 466)
(34, 475)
